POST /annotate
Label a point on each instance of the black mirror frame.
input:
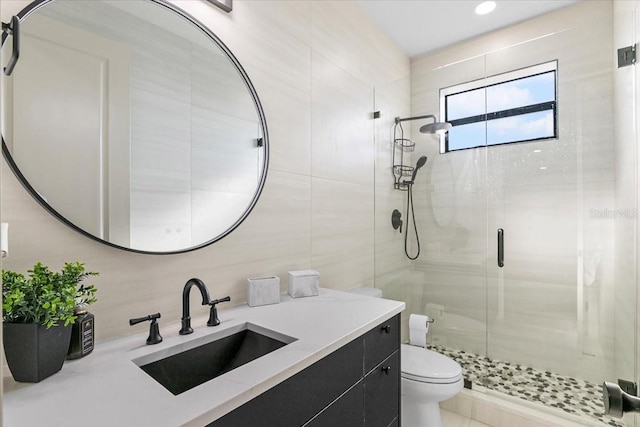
(33, 6)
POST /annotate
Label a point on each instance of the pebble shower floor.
(577, 397)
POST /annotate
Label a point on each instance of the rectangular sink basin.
(188, 365)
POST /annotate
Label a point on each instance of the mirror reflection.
(133, 124)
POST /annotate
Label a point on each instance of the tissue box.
(303, 283)
(263, 291)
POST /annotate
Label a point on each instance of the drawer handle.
(386, 328)
(386, 370)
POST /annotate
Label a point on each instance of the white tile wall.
(341, 124)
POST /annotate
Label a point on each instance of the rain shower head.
(420, 163)
(435, 127)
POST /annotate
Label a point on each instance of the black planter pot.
(34, 352)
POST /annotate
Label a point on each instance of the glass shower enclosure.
(559, 316)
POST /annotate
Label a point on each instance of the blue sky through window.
(467, 136)
(522, 92)
(520, 128)
(501, 97)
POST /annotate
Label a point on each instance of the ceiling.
(420, 26)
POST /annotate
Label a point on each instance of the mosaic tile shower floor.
(577, 397)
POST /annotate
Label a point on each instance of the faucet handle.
(216, 301)
(154, 328)
(213, 313)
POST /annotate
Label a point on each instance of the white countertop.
(106, 388)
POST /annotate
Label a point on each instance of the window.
(512, 107)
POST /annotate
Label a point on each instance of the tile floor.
(573, 396)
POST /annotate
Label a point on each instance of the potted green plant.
(38, 313)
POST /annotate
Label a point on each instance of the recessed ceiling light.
(485, 7)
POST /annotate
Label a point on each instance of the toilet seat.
(426, 366)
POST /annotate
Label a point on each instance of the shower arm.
(428, 116)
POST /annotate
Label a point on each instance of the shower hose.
(415, 226)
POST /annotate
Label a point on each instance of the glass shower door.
(568, 278)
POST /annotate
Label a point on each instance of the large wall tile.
(342, 230)
(349, 39)
(341, 124)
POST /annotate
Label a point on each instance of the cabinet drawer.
(382, 393)
(346, 411)
(298, 399)
(380, 342)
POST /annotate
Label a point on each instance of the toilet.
(427, 378)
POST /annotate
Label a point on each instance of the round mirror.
(133, 124)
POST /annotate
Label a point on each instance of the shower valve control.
(396, 220)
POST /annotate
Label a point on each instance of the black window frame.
(496, 80)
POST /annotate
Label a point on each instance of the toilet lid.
(420, 364)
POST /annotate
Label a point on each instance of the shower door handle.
(500, 247)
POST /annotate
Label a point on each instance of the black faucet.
(186, 318)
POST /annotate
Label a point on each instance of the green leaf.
(45, 296)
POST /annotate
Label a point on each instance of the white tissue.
(418, 329)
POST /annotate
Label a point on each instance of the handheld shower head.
(420, 163)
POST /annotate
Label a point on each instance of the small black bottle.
(82, 334)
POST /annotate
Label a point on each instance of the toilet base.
(422, 414)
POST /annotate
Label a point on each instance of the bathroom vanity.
(356, 385)
(340, 365)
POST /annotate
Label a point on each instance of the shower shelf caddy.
(400, 170)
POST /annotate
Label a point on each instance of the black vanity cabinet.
(356, 385)
(382, 374)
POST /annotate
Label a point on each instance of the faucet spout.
(186, 317)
